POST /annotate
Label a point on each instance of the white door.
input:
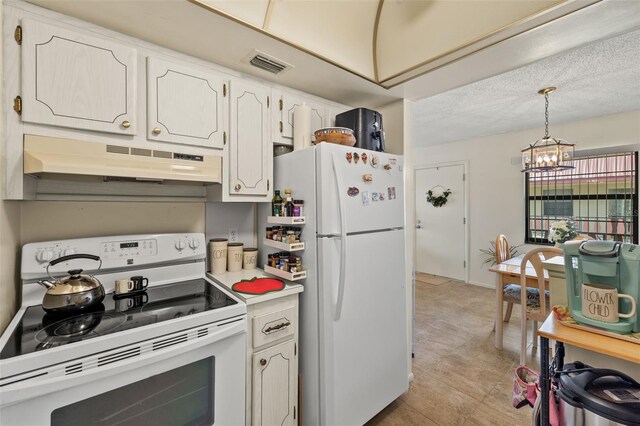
(184, 104)
(250, 150)
(441, 231)
(71, 79)
(275, 385)
(363, 326)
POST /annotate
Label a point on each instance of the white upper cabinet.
(250, 150)
(71, 79)
(184, 104)
(283, 118)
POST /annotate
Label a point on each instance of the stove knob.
(44, 256)
(194, 244)
(180, 245)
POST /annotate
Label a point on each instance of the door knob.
(418, 226)
(263, 362)
(126, 124)
(237, 187)
(156, 131)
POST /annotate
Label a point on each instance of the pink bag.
(525, 387)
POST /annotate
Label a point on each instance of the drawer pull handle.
(278, 327)
(263, 362)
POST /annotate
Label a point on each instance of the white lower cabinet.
(274, 383)
(272, 362)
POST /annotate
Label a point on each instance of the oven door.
(195, 377)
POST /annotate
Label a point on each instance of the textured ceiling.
(598, 79)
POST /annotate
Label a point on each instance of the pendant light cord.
(546, 115)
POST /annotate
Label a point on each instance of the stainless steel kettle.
(74, 292)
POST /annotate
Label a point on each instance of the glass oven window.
(182, 396)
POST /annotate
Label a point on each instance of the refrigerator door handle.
(343, 241)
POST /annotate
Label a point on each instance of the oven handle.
(30, 389)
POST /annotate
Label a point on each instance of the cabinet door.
(275, 385)
(286, 105)
(184, 104)
(75, 80)
(250, 150)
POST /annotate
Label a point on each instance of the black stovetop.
(39, 330)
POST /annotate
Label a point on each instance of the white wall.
(496, 185)
(9, 235)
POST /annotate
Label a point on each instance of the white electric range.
(172, 354)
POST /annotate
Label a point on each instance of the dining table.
(508, 272)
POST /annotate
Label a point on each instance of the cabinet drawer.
(274, 326)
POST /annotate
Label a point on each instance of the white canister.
(218, 255)
(234, 257)
(250, 258)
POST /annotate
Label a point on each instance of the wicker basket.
(339, 135)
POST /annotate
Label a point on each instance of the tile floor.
(460, 378)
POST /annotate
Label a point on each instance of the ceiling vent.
(268, 62)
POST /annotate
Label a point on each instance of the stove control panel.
(128, 249)
(116, 253)
(47, 254)
(184, 243)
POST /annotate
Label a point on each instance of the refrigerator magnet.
(367, 178)
(381, 196)
(365, 198)
(392, 161)
(387, 166)
(391, 192)
(364, 157)
(375, 162)
(374, 196)
(349, 157)
(352, 191)
(356, 157)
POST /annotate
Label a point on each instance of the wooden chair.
(534, 258)
(583, 237)
(503, 252)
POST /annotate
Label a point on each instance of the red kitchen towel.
(258, 285)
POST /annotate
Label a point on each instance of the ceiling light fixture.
(547, 154)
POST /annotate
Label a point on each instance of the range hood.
(58, 156)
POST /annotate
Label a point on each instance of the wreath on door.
(440, 199)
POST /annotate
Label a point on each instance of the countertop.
(228, 279)
(555, 330)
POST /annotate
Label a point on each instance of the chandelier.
(547, 154)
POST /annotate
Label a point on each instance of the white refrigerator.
(353, 323)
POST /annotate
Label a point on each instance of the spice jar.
(291, 237)
(298, 208)
(269, 233)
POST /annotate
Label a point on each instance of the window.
(553, 206)
(600, 193)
